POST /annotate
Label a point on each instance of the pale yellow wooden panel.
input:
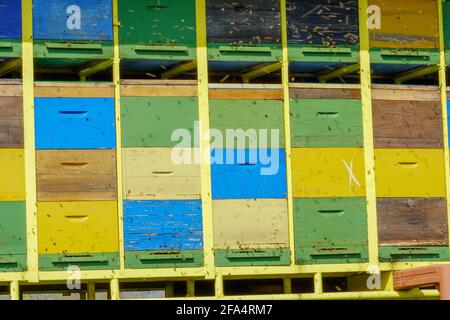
(324, 173)
(242, 224)
(153, 173)
(78, 227)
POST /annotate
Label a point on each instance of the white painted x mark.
(352, 177)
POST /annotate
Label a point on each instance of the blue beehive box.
(72, 33)
(10, 28)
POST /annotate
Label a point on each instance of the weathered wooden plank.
(406, 93)
(76, 175)
(327, 93)
(241, 21)
(412, 221)
(11, 89)
(158, 91)
(11, 122)
(245, 94)
(323, 22)
(407, 124)
(73, 90)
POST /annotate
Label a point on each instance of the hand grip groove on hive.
(167, 256)
(77, 218)
(78, 46)
(323, 114)
(409, 164)
(80, 259)
(331, 213)
(245, 49)
(253, 254)
(73, 112)
(74, 164)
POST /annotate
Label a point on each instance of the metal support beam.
(340, 72)
(179, 69)
(10, 66)
(15, 290)
(190, 288)
(91, 291)
(287, 285)
(261, 71)
(115, 289)
(411, 75)
(94, 68)
(369, 152)
(318, 283)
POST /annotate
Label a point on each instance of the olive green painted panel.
(13, 237)
(250, 116)
(244, 53)
(10, 48)
(13, 233)
(310, 53)
(418, 253)
(446, 8)
(252, 257)
(150, 121)
(80, 50)
(404, 56)
(157, 259)
(325, 123)
(330, 230)
(157, 28)
(85, 261)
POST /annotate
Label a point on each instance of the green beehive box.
(13, 237)
(157, 29)
(446, 9)
(330, 230)
(151, 121)
(326, 123)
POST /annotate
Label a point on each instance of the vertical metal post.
(369, 154)
(205, 148)
(115, 289)
(29, 139)
(287, 127)
(318, 283)
(14, 290)
(116, 80)
(443, 92)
